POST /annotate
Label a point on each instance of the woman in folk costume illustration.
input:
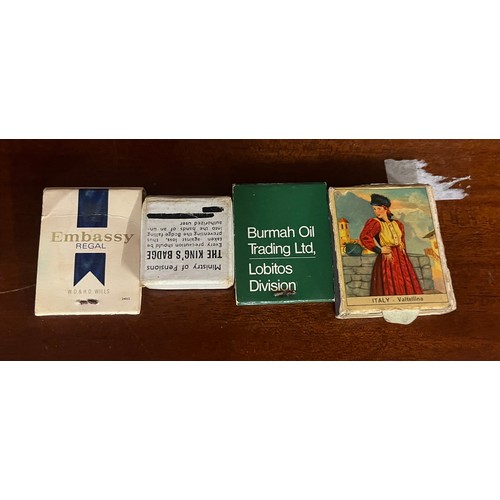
(393, 273)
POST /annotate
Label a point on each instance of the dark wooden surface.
(207, 325)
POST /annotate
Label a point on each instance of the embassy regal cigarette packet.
(89, 254)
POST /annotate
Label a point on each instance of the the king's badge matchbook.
(187, 242)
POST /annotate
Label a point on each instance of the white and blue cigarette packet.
(89, 254)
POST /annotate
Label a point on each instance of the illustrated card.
(389, 252)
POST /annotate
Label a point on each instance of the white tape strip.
(403, 317)
(413, 172)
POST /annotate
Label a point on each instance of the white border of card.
(363, 293)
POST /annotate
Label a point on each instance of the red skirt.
(394, 277)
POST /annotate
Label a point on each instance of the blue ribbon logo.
(92, 212)
(92, 208)
(85, 263)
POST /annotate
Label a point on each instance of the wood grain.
(207, 325)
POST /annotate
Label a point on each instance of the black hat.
(380, 201)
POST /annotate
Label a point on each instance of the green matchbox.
(283, 243)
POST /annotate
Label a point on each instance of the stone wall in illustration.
(358, 273)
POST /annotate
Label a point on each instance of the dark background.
(207, 325)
